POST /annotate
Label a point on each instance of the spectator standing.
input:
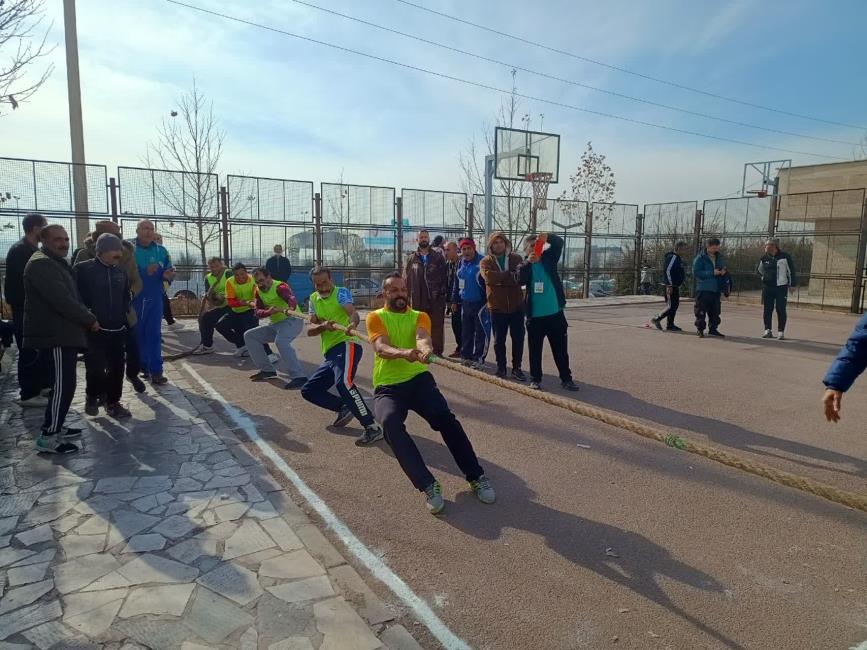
(171, 323)
(426, 279)
(674, 278)
(56, 324)
(709, 270)
(154, 267)
(453, 256)
(505, 300)
(278, 266)
(545, 300)
(32, 369)
(469, 291)
(777, 270)
(104, 289)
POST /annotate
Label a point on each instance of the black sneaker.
(700, 334)
(296, 383)
(656, 323)
(501, 373)
(518, 374)
(371, 434)
(91, 406)
(263, 375)
(52, 444)
(70, 433)
(536, 385)
(344, 417)
(716, 333)
(159, 380)
(137, 384)
(569, 385)
(673, 328)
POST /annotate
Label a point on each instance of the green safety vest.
(220, 289)
(243, 293)
(271, 298)
(401, 328)
(329, 309)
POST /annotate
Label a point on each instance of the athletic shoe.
(466, 363)
(434, 494)
(117, 411)
(263, 375)
(137, 384)
(273, 358)
(456, 354)
(240, 352)
(91, 406)
(501, 373)
(52, 444)
(716, 333)
(296, 383)
(175, 326)
(781, 337)
(159, 380)
(569, 385)
(518, 374)
(536, 385)
(477, 365)
(481, 487)
(344, 417)
(700, 334)
(371, 434)
(203, 349)
(70, 433)
(37, 401)
(656, 323)
(673, 328)
(768, 334)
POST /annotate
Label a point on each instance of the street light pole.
(76, 126)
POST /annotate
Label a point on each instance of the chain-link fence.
(663, 226)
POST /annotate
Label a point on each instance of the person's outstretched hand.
(831, 400)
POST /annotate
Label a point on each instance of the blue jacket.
(469, 275)
(851, 361)
(152, 285)
(702, 269)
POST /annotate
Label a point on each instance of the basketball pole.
(489, 196)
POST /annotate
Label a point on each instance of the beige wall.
(820, 178)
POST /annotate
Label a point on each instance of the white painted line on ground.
(373, 563)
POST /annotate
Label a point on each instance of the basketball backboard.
(519, 153)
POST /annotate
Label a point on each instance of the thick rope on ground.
(829, 492)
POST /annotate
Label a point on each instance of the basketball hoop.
(540, 181)
(759, 193)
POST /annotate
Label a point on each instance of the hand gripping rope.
(829, 492)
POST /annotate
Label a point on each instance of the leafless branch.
(22, 43)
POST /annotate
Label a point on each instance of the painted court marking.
(364, 555)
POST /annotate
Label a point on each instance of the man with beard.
(330, 305)
(402, 341)
(425, 275)
(505, 302)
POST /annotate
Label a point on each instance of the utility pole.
(76, 127)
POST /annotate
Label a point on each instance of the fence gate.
(662, 226)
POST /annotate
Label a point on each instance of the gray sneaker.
(483, 490)
(768, 334)
(54, 445)
(371, 434)
(434, 494)
(782, 336)
(344, 417)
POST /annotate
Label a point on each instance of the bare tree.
(190, 140)
(512, 212)
(21, 47)
(593, 182)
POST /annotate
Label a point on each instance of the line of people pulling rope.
(110, 305)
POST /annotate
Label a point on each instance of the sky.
(298, 110)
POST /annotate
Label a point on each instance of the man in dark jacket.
(544, 303)
(278, 266)
(709, 269)
(453, 258)
(469, 291)
(848, 365)
(674, 277)
(426, 274)
(31, 367)
(55, 324)
(777, 270)
(505, 302)
(104, 289)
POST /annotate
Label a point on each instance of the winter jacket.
(16, 259)
(703, 268)
(851, 361)
(550, 259)
(54, 315)
(152, 285)
(426, 279)
(104, 290)
(777, 270)
(127, 263)
(673, 271)
(469, 284)
(501, 283)
(279, 267)
(452, 280)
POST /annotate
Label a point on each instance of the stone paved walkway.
(163, 532)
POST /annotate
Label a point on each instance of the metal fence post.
(588, 246)
(398, 259)
(858, 288)
(112, 196)
(696, 240)
(317, 227)
(224, 217)
(469, 219)
(638, 259)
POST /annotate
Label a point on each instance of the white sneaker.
(177, 325)
(273, 358)
(241, 352)
(37, 401)
(768, 334)
(781, 337)
(203, 349)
